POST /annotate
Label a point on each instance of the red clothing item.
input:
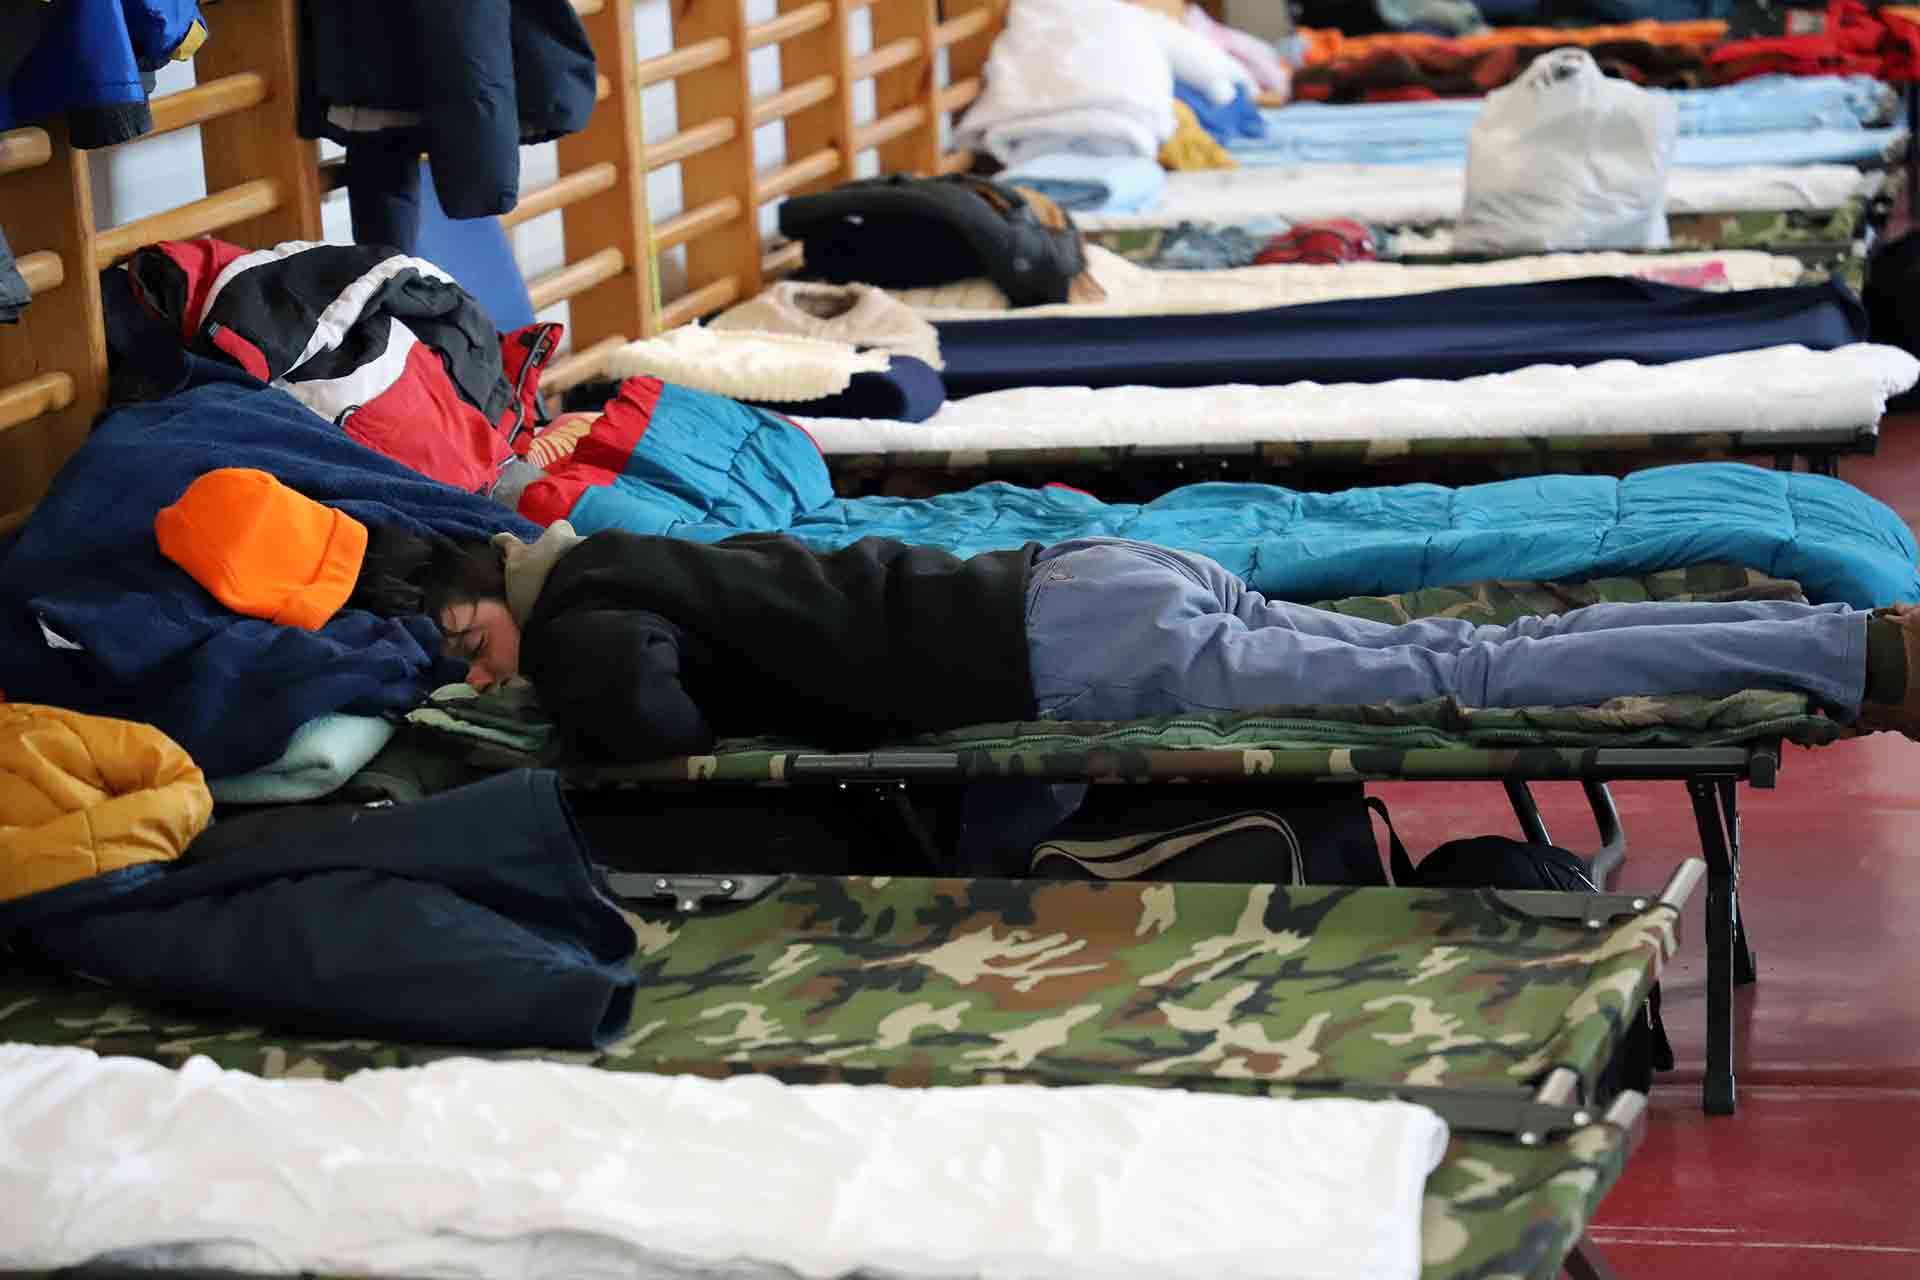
(1853, 41)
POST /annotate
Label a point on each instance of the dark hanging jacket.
(642, 646)
(467, 83)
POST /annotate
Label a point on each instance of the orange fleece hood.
(261, 548)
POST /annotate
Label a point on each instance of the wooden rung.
(855, 6)
(792, 101)
(955, 162)
(14, 519)
(602, 88)
(221, 209)
(587, 8)
(957, 95)
(964, 27)
(888, 56)
(778, 262)
(689, 142)
(43, 271)
(698, 303)
(575, 278)
(25, 401)
(683, 227)
(226, 96)
(798, 174)
(24, 149)
(578, 366)
(695, 57)
(887, 128)
(572, 188)
(794, 22)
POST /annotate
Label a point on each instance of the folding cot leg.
(1586, 1262)
(1532, 825)
(1606, 820)
(1728, 959)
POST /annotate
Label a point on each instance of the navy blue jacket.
(473, 917)
(86, 65)
(482, 76)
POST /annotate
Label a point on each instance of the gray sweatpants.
(1119, 630)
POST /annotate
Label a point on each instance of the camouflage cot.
(1499, 1010)
(1709, 745)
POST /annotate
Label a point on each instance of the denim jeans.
(1119, 630)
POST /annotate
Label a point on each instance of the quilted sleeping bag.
(84, 796)
(667, 460)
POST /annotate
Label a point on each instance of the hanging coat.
(86, 65)
(466, 83)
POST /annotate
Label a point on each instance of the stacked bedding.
(1422, 193)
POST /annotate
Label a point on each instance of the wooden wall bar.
(53, 363)
(602, 193)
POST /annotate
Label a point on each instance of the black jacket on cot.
(645, 646)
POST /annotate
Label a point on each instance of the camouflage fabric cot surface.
(1255, 989)
(458, 735)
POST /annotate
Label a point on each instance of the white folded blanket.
(1057, 59)
(1775, 389)
(534, 1169)
(1389, 194)
(1134, 290)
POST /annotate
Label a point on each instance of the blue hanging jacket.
(87, 64)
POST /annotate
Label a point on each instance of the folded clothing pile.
(1092, 77)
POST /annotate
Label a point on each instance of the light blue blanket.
(1088, 183)
(705, 469)
(1764, 121)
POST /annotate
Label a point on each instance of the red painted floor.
(1819, 1174)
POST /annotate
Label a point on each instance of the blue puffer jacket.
(87, 64)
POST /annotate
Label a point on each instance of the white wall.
(152, 174)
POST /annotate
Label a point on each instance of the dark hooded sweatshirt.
(643, 646)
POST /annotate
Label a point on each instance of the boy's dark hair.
(404, 572)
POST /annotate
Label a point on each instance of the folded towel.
(746, 364)
(1088, 183)
(323, 754)
(536, 1169)
(858, 315)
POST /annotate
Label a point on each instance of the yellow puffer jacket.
(84, 795)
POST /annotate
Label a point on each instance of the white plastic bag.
(1567, 158)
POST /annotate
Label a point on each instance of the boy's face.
(483, 633)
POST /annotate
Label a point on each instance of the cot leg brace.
(1606, 819)
(1729, 959)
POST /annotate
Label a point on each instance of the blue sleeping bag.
(702, 463)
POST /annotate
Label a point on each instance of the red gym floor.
(1819, 1173)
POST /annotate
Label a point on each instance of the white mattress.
(1786, 389)
(1390, 194)
(537, 1169)
(1134, 290)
